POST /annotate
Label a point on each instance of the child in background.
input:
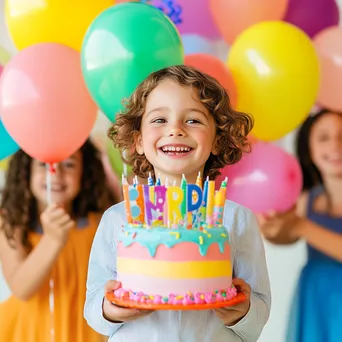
(317, 218)
(44, 250)
(180, 107)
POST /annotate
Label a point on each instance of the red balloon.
(266, 179)
(329, 50)
(44, 103)
(215, 68)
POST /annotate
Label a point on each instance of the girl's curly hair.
(19, 207)
(232, 127)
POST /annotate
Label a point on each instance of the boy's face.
(177, 131)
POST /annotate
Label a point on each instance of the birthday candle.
(140, 202)
(223, 190)
(184, 189)
(158, 181)
(151, 187)
(210, 203)
(219, 204)
(125, 189)
(203, 209)
(199, 180)
(165, 212)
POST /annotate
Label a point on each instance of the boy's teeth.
(175, 149)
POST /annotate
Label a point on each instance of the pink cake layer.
(182, 252)
(164, 287)
(185, 251)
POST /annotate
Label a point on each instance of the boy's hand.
(230, 315)
(118, 314)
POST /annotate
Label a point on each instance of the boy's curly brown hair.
(19, 208)
(232, 127)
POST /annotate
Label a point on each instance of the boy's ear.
(139, 145)
(215, 149)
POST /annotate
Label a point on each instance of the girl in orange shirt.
(44, 249)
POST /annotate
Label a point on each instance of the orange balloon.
(44, 103)
(328, 44)
(216, 68)
(234, 16)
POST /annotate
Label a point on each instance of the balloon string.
(50, 169)
(52, 309)
(48, 184)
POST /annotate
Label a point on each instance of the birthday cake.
(173, 249)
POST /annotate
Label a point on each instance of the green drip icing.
(152, 238)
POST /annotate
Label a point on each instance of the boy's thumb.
(112, 285)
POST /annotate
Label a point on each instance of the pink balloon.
(44, 103)
(328, 44)
(266, 179)
(1, 69)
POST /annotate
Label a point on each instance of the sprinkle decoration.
(186, 299)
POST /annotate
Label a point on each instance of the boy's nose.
(176, 130)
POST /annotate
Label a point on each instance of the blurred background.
(205, 32)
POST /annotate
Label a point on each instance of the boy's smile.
(177, 131)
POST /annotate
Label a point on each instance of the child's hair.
(311, 175)
(232, 126)
(19, 207)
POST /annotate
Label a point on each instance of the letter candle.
(174, 201)
(186, 206)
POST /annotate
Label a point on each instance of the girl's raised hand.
(118, 314)
(56, 223)
(280, 227)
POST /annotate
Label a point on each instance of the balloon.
(328, 45)
(56, 21)
(191, 17)
(276, 71)
(266, 179)
(4, 57)
(7, 145)
(214, 67)
(115, 160)
(44, 103)
(197, 44)
(234, 16)
(312, 16)
(122, 47)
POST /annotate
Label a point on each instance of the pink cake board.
(150, 306)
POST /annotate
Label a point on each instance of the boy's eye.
(193, 121)
(158, 120)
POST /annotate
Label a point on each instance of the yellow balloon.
(276, 71)
(4, 164)
(55, 21)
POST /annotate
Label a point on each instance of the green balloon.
(115, 160)
(122, 47)
(4, 56)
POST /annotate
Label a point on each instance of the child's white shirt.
(249, 263)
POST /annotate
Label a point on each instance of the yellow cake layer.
(174, 270)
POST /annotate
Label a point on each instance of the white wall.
(284, 263)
